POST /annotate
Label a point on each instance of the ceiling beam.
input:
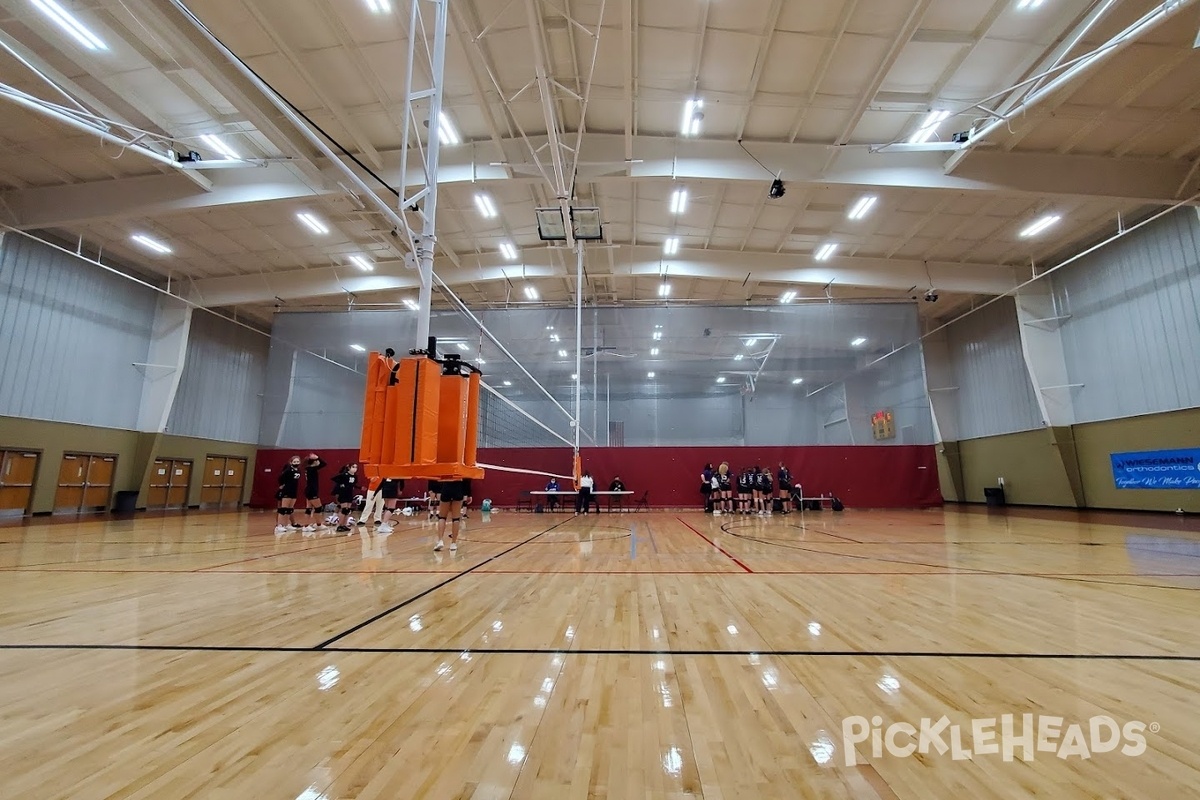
(898, 275)
(1151, 181)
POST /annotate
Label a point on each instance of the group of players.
(752, 491)
(446, 500)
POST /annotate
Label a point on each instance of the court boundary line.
(325, 644)
(499, 651)
(714, 544)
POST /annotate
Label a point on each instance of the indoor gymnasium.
(599, 399)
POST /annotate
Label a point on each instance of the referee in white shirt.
(584, 498)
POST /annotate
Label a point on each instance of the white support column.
(164, 364)
(1041, 343)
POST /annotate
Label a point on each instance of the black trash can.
(994, 495)
(125, 502)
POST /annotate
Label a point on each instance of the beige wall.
(135, 454)
(1029, 462)
(1097, 440)
(1070, 467)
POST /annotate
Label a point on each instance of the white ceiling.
(808, 90)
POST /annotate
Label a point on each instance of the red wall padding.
(891, 476)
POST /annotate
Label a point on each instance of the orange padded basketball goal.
(420, 417)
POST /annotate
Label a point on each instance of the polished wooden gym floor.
(616, 656)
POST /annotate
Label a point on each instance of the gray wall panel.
(1133, 331)
(995, 394)
(67, 327)
(221, 390)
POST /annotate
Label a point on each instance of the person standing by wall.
(344, 484)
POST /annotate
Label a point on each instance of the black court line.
(323, 645)
(536, 651)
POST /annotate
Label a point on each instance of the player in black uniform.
(312, 493)
(389, 489)
(434, 498)
(725, 485)
(765, 492)
(289, 487)
(344, 484)
(745, 490)
(451, 495)
(785, 487)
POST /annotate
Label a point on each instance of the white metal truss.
(423, 106)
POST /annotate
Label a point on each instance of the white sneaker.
(384, 529)
(281, 529)
(309, 528)
(453, 545)
(438, 546)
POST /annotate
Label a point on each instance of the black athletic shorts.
(390, 490)
(311, 493)
(452, 491)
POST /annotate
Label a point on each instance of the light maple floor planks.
(612, 656)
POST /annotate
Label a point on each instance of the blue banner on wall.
(1158, 469)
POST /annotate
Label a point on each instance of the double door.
(17, 471)
(85, 482)
(223, 481)
(169, 483)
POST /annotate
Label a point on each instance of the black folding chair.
(643, 503)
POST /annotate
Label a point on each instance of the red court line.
(714, 544)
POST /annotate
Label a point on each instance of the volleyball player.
(725, 480)
(389, 490)
(766, 504)
(451, 494)
(744, 482)
(344, 484)
(289, 488)
(706, 487)
(785, 487)
(434, 498)
(312, 493)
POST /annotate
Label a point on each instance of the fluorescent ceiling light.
(485, 205)
(826, 251)
(656, 327)
(463, 346)
(929, 126)
(562, 353)
(508, 251)
(664, 289)
(574, 376)
(797, 381)
(446, 129)
(649, 374)
(862, 207)
(315, 225)
(362, 263)
(408, 301)
(531, 293)
(480, 361)
(358, 348)
(861, 340)
(657, 335)
(63, 19)
(508, 383)
(653, 351)
(679, 199)
(690, 124)
(788, 296)
(219, 146)
(1024, 5)
(152, 244)
(1039, 226)
(379, 6)
(721, 379)
(554, 337)
(751, 342)
(738, 357)
(671, 246)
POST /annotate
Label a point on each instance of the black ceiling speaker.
(777, 190)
